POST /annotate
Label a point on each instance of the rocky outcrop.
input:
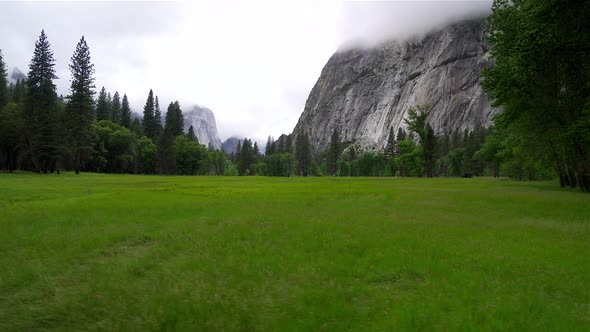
(365, 92)
(230, 145)
(203, 122)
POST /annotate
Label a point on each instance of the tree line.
(43, 132)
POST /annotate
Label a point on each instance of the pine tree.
(102, 106)
(429, 148)
(175, 119)
(246, 157)
(303, 153)
(191, 134)
(256, 151)
(3, 83)
(116, 108)
(334, 152)
(149, 124)
(157, 117)
(80, 103)
(391, 147)
(401, 135)
(125, 113)
(109, 106)
(166, 153)
(270, 146)
(40, 111)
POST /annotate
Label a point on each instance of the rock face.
(230, 145)
(364, 93)
(203, 122)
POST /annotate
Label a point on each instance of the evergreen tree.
(40, 109)
(256, 151)
(391, 147)
(401, 135)
(125, 113)
(303, 153)
(191, 134)
(334, 151)
(157, 117)
(238, 152)
(80, 103)
(116, 109)
(246, 157)
(166, 153)
(3, 83)
(175, 119)
(19, 91)
(102, 105)
(149, 123)
(429, 148)
(270, 146)
(136, 126)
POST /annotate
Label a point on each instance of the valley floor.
(123, 252)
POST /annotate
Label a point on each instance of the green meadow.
(126, 252)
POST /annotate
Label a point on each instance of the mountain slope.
(364, 93)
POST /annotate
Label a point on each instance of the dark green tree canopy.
(3, 82)
(102, 106)
(80, 103)
(125, 112)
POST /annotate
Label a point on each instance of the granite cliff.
(365, 92)
(203, 122)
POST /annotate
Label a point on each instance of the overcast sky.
(252, 62)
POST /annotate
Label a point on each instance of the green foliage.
(146, 156)
(3, 83)
(10, 135)
(279, 164)
(218, 162)
(40, 120)
(190, 156)
(334, 151)
(175, 119)
(191, 134)
(116, 111)
(80, 103)
(166, 153)
(126, 113)
(150, 127)
(114, 146)
(158, 118)
(246, 158)
(230, 169)
(541, 78)
(303, 154)
(103, 111)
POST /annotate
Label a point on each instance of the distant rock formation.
(230, 144)
(203, 121)
(365, 92)
(15, 75)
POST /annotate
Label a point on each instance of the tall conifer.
(80, 103)
(40, 111)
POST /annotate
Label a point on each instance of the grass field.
(120, 252)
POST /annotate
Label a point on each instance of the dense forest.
(541, 79)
